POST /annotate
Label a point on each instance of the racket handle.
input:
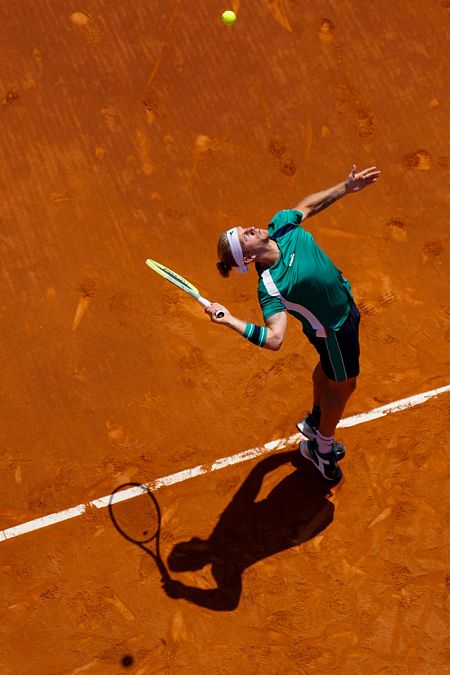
(206, 303)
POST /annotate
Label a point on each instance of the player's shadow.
(295, 510)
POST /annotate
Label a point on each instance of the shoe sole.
(307, 455)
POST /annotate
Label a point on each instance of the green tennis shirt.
(303, 281)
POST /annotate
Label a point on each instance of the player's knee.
(351, 384)
(344, 388)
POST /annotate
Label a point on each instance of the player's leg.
(320, 384)
(309, 425)
(339, 355)
(332, 404)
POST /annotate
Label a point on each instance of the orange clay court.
(143, 130)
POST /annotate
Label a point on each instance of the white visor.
(236, 250)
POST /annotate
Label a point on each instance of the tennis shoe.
(308, 428)
(326, 463)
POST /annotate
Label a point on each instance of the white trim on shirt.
(293, 306)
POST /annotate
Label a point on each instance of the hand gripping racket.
(136, 515)
(182, 283)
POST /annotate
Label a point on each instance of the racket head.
(173, 277)
(135, 513)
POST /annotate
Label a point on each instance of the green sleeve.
(269, 304)
(283, 219)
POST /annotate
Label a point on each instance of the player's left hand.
(358, 181)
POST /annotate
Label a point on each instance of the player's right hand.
(212, 311)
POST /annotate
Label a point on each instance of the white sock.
(325, 443)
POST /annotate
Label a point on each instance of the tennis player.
(297, 277)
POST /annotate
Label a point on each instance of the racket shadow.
(248, 531)
(136, 515)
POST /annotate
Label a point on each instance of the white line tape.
(392, 407)
(181, 476)
(38, 523)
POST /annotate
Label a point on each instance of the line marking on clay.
(187, 474)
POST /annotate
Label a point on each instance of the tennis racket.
(182, 283)
(136, 515)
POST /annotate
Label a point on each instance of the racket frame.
(181, 283)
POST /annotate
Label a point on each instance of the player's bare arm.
(271, 336)
(355, 182)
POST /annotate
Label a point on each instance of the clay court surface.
(144, 129)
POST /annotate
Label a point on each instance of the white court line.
(180, 476)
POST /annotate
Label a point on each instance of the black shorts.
(339, 351)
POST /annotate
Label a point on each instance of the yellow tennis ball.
(229, 17)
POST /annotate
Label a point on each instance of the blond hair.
(226, 260)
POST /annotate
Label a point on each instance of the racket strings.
(138, 518)
(172, 276)
(175, 277)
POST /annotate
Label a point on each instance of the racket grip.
(206, 303)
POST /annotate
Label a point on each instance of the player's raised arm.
(270, 336)
(355, 182)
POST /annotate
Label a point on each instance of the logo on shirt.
(291, 259)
